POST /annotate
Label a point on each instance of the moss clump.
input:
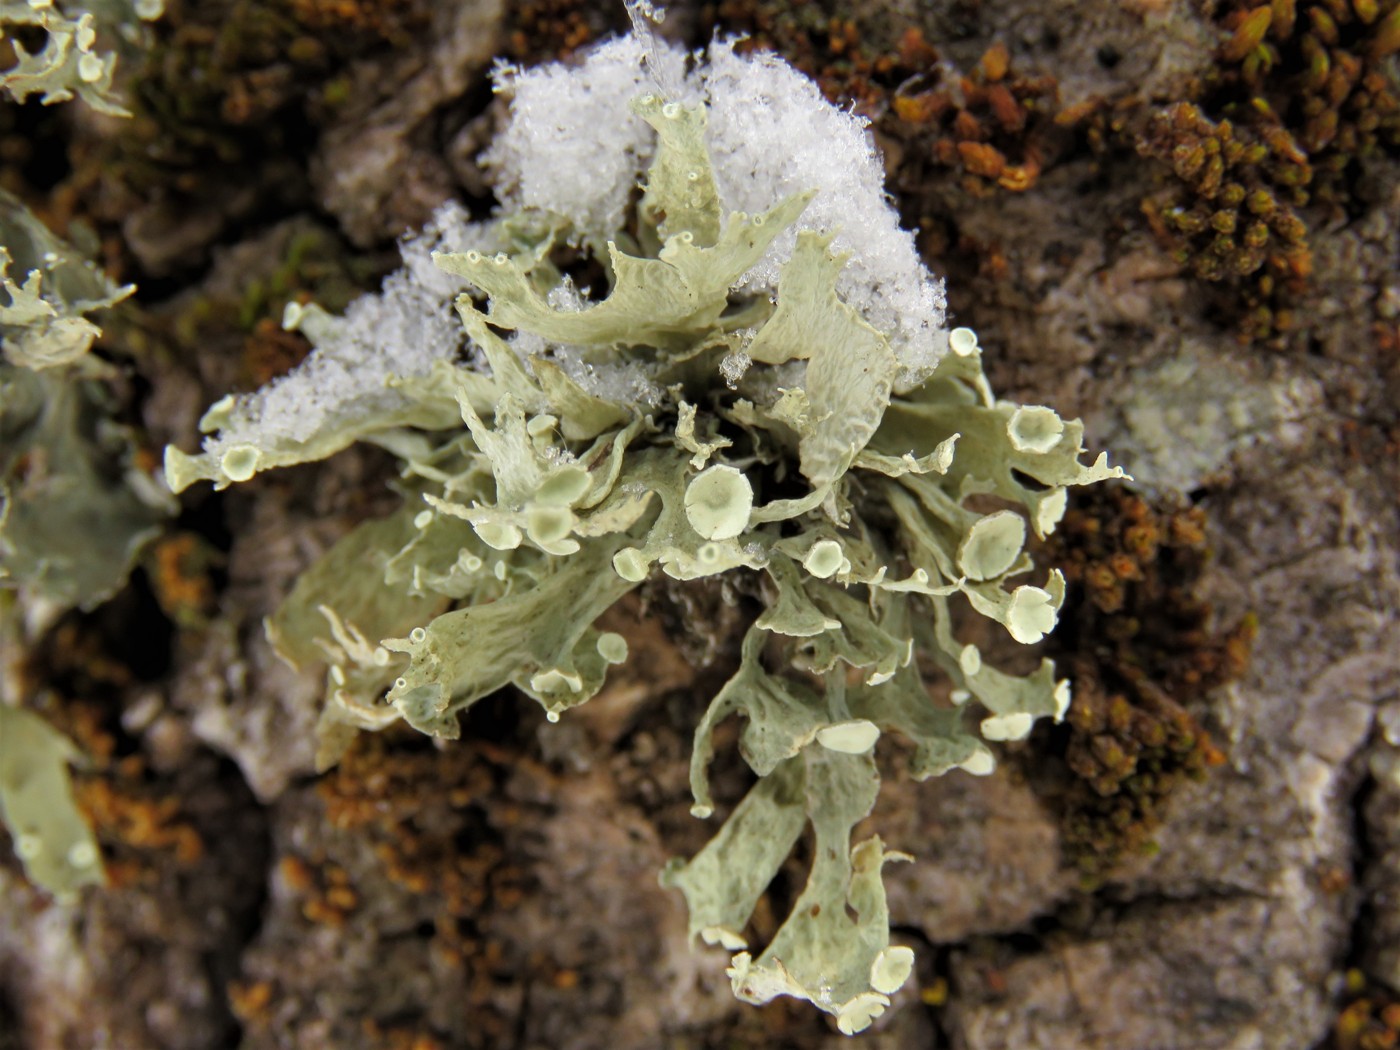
(1230, 213)
(434, 821)
(1143, 654)
(142, 828)
(1369, 1018)
(1302, 101)
(180, 568)
(228, 104)
(316, 266)
(993, 126)
(415, 806)
(390, 20)
(239, 320)
(1325, 73)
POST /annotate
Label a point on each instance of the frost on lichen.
(765, 389)
(76, 56)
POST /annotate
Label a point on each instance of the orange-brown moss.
(180, 565)
(140, 823)
(1321, 71)
(390, 20)
(399, 1037)
(545, 30)
(432, 819)
(327, 897)
(383, 794)
(1142, 652)
(82, 677)
(851, 59)
(1369, 1018)
(249, 1001)
(270, 351)
(1302, 98)
(993, 126)
(228, 102)
(1230, 215)
(139, 828)
(76, 656)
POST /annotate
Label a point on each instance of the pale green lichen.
(49, 286)
(50, 835)
(75, 58)
(74, 509)
(718, 502)
(74, 512)
(601, 443)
